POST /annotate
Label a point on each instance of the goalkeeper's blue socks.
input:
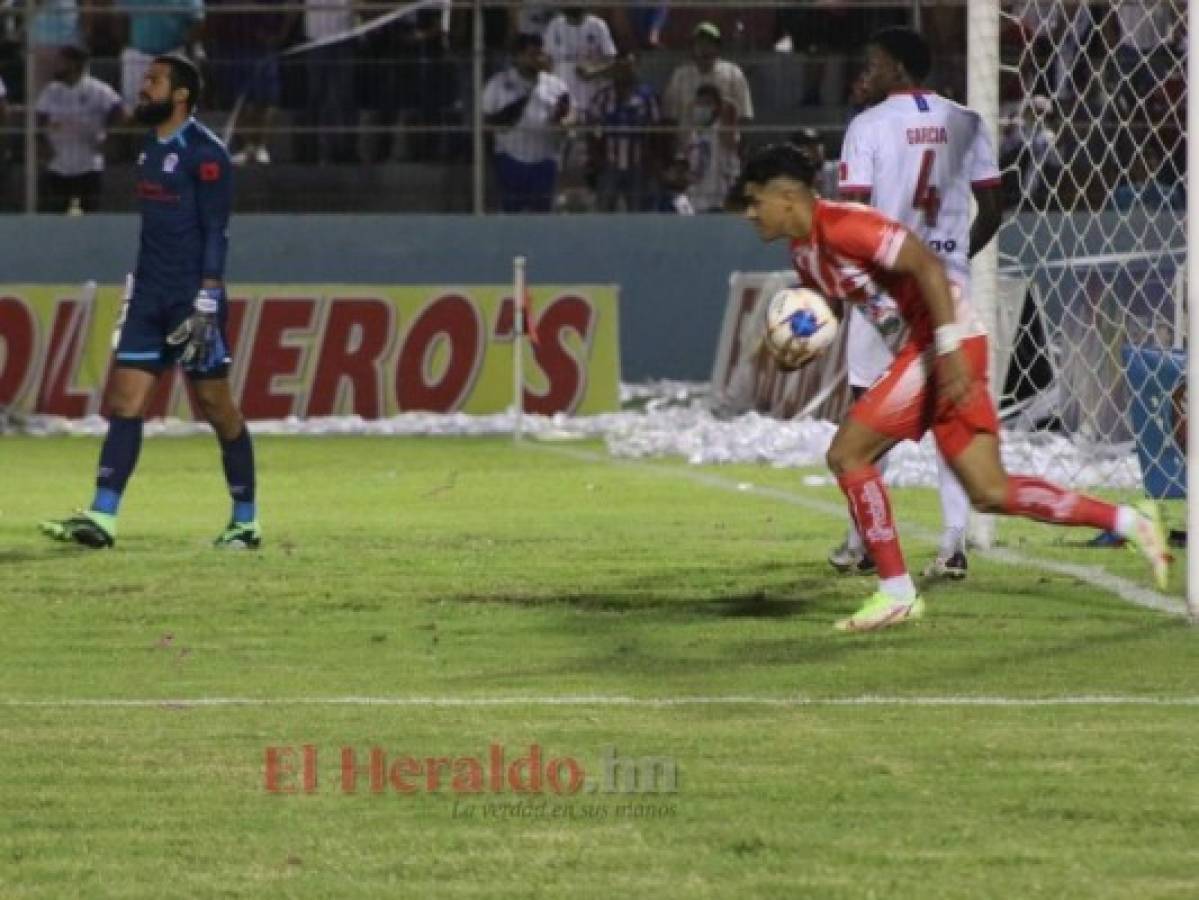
(237, 456)
(118, 456)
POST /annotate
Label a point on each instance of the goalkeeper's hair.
(779, 161)
(906, 47)
(184, 74)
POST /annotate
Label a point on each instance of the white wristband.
(948, 337)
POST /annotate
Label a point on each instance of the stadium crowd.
(586, 106)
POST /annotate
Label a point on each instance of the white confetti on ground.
(671, 419)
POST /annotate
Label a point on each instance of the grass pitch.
(479, 585)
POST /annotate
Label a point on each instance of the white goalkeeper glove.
(200, 333)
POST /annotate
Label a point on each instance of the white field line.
(568, 700)
(1126, 590)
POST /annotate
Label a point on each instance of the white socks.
(1126, 521)
(901, 587)
(955, 509)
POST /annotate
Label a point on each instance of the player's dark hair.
(523, 42)
(184, 74)
(907, 48)
(780, 161)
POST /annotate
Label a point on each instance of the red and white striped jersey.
(916, 157)
(850, 256)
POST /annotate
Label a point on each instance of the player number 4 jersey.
(916, 157)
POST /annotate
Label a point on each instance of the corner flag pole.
(518, 333)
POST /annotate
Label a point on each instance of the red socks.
(871, 510)
(1034, 498)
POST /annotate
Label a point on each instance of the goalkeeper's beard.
(153, 112)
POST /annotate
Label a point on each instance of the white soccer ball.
(799, 326)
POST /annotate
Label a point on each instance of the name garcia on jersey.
(928, 134)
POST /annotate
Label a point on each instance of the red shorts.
(903, 403)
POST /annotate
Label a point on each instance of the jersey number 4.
(927, 198)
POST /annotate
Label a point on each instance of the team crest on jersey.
(171, 161)
(141, 158)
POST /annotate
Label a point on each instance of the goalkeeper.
(175, 312)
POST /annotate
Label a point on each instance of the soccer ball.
(799, 326)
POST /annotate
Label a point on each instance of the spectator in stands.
(1029, 145)
(712, 150)
(243, 48)
(429, 84)
(827, 35)
(74, 113)
(676, 178)
(1147, 29)
(411, 74)
(624, 160)
(640, 25)
(1053, 34)
(152, 28)
(329, 100)
(528, 105)
(1144, 188)
(5, 140)
(706, 68)
(581, 48)
(54, 25)
(531, 17)
(809, 140)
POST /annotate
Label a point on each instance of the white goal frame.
(983, 80)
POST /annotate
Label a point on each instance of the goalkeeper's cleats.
(90, 529)
(851, 560)
(1149, 537)
(952, 566)
(240, 536)
(882, 611)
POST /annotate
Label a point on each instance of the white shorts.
(867, 352)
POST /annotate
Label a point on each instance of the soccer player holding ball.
(916, 157)
(937, 381)
(176, 311)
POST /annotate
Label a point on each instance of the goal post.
(1087, 103)
(982, 95)
(1192, 295)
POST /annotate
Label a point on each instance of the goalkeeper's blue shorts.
(141, 342)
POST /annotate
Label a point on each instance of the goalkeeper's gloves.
(200, 333)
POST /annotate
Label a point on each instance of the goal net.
(1089, 308)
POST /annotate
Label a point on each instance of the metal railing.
(459, 141)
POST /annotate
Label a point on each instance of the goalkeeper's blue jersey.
(185, 190)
